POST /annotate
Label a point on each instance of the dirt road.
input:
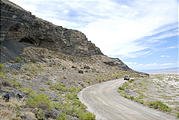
(106, 103)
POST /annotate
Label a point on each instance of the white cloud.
(164, 29)
(166, 35)
(164, 56)
(171, 47)
(117, 35)
(115, 27)
(139, 66)
(166, 64)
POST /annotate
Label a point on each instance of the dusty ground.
(43, 65)
(104, 100)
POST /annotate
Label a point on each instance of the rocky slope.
(48, 65)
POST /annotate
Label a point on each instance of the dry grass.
(12, 110)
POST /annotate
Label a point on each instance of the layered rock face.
(20, 29)
(21, 26)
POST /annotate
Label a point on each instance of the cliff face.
(20, 29)
(21, 26)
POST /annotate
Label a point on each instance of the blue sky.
(142, 33)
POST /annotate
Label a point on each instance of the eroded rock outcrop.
(20, 29)
(20, 25)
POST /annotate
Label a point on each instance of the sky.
(142, 33)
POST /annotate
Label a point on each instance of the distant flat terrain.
(164, 71)
(104, 100)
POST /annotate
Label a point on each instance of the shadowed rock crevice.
(27, 40)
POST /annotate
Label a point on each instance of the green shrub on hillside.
(86, 116)
(40, 114)
(131, 80)
(58, 86)
(2, 70)
(139, 100)
(28, 91)
(19, 60)
(2, 75)
(62, 116)
(159, 105)
(124, 86)
(2, 67)
(71, 105)
(40, 100)
(15, 83)
(177, 115)
(42, 89)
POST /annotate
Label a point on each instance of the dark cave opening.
(27, 40)
(15, 27)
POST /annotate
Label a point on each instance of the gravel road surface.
(106, 103)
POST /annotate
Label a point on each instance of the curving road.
(106, 103)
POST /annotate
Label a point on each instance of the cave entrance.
(15, 28)
(27, 40)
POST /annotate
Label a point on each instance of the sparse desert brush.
(40, 114)
(11, 61)
(2, 75)
(42, 89)
(9, 82)
(124, 86)
(62, 116)
(177, 79)
(177, 115)
(128, 96)
(88, 81)
(58, 86)
(74, 89)
(19, 60)
(71, 105)
(49, 82)
(159, 105)
(40, 101)
(139, 100)
(132, 80)
(28, 91)
(86, 116)
(2, 70)
(121, 88)
(141, 96)
(2, 67)
(15, 83)
(33, 68)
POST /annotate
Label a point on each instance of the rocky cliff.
(21, 26)
(20, 29)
